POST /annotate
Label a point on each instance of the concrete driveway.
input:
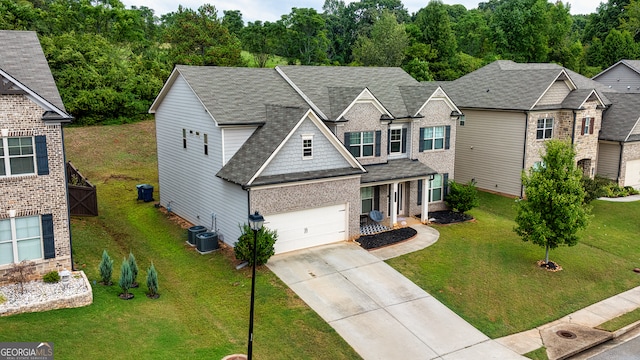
(379, 312)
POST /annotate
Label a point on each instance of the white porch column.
(394, 205)
(424, 217)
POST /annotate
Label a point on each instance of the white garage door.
(307, 228)
(632, 174)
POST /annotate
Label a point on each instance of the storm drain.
(565, 334)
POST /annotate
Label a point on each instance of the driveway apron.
(378, 311)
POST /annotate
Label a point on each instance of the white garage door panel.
(307, 228)
(632, 174)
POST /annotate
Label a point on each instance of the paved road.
(629, 350)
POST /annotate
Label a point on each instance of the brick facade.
(33, 194)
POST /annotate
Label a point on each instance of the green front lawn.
(484, 272)
(203, 310)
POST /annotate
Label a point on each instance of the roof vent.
(488, 90)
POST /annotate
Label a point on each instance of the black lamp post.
(255, 222)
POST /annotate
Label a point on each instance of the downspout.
(66, 186)
(524, 150)
(573, 128)
(620, 162)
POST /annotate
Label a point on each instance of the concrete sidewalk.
(379, 312)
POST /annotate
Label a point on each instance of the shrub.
(152, 281)
(2, 299)
(126, 277)
(106, 268)
(462, 197)
(134, 269)
(19, 273)
(244, 246)
(51, 277)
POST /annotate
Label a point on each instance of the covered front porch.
(391, 192)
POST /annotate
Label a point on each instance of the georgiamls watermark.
(26, 351)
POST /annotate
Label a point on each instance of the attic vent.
(488, 90)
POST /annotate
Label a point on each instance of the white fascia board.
(42, 102)
(302, 94)
(633, 130)
(366, 96)
(439, 94)
(570, 84)
(327, 133)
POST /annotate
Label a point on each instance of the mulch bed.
(448, 217)
(386, 238)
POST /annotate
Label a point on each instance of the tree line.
(110, 62)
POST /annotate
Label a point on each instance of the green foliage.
(462, 197)
(435, 24)
(152, 280)
(593, 188)
(385, 46)
(2, 299)
(134, 267)
(302, 36)
(126, 276)
(553, 211)
(51, 277)
(244, 246)
(106, 268)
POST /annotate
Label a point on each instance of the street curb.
(626, 329)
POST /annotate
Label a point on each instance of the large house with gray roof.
(313, 149)
(623, 76)
(34, 216)
(511, 109)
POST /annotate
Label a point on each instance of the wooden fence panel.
(83, 196)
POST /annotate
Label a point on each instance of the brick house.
(511, 109)
(314, 149)
(34, 217)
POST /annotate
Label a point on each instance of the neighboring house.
(313, 149)
(619, 156)
(623, 76)
(511, 109)
(34, 217)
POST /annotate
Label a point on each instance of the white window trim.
(433, 138)
(361, 145)
(587, 124)
(304, 147)
(431, 188)
(6, 158)
(14, 240)
(545, 128)
(391, 130)
(372, 198)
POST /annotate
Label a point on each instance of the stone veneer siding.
(33, 194)
(310, 195)
(586, 146)
(631, 151)
(78, 300)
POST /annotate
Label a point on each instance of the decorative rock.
(636, 270)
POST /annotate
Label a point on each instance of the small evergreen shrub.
(593, 188)
(134, 269)
(126, 277)
(106, 268)
(152, 281)
(51, 277)
(2, 299)
(462, 197)
(243, 248)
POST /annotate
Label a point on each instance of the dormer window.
(307, 147)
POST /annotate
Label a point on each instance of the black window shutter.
(421, 140)
(42, 158)
(404, 141)
(447, 135)
(388, 141)
(584, 121)
(445, 184)
(376, 198)
(48, 242)
(419, 192)
(378, 139)
(347, 136)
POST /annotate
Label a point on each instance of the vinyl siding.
(555, 95)
(187, 176)
(233, 138)
(608, 160)
(621, 77)
(489, 149)
(289, 158)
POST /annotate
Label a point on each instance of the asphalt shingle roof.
(507, 85)
(239, 95)
(396, 170)
(415, 96)
(621, 118)
(21, 56)
(318, 83)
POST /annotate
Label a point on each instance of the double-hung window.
(436, 188)
(20, 239)
(544, 129)
(587, 126)
(17, 156)
(432, 138)
(366, 195)
(361, 144)
(395, 141)
(307, 147)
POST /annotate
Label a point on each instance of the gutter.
(573, 130)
